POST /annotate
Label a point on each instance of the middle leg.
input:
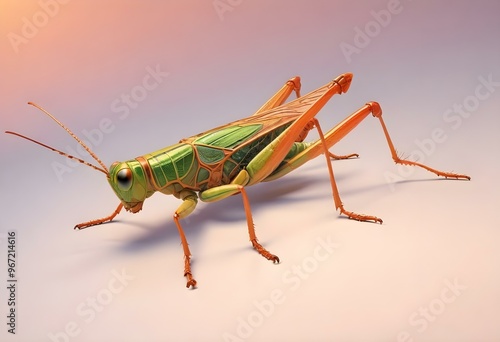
(223, 191)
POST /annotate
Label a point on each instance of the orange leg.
(326, 141)
(87, 224)
(377, 112)
(335, 191)
(224, 191)
(271, 156)
(189, 201)
(281, 95)
(187, 254)
(251, 230)
(347, 156)
(310, 125)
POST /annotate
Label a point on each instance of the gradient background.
(380, 278)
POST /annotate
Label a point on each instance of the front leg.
(91, 223)
(190, 200)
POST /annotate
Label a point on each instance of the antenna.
(104, 169)
(60, 152)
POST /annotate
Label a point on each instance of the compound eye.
(124, 179)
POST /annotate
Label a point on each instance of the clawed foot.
(454, 176)
(191, 283)
(84, 225)
(347, 156)
(273, 258)
(360, 217)
(264, 252)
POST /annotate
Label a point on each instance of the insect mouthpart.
(133, 207)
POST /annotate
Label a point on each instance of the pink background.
(382, 283)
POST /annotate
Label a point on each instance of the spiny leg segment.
(220, 192)
(251, 230)
(326, 141)
(191, 282)
(375, 109)
(341, 157)
(91, 223)
(189, 202)
(335, 191)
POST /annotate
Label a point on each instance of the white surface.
(379, 279)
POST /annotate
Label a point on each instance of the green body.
(218, 163)
(201, 162)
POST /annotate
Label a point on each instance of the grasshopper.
(223, 161)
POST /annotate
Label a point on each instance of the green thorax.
(209, 159)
